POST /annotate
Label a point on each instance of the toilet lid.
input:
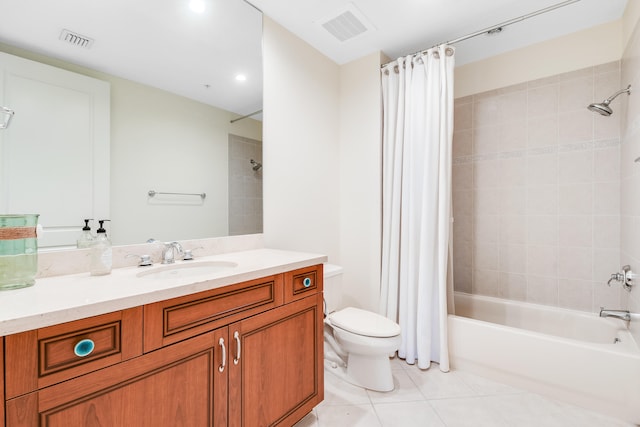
(364, 323)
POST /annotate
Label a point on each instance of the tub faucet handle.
(616, 277)
(625, 278)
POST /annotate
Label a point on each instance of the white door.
(54, 156)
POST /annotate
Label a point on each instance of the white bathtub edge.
(494, 363)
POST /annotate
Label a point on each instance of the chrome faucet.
(618, 314)
(168, 253)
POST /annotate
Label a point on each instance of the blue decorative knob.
(84, 348)
(306, 282)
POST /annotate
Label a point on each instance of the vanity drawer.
(46, 356)
(170, 321)
(302, 282)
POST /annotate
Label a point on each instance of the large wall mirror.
(185, 86)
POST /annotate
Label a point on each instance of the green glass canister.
(18, 251)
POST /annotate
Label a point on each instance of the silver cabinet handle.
(224, 355)
(236, 359)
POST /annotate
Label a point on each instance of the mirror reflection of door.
(245, 185)
(55, 155)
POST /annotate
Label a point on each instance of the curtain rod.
(246, 116)
(496, 28)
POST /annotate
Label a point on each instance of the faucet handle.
(145, 260)
(616, 277)
(188, 253)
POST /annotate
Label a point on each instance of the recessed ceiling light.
(241, 77)
(198, 6)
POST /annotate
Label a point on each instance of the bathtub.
(568, 355)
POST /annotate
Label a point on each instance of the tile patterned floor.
(435, 399)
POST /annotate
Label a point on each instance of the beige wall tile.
(513, 172)
(542, 261)
(575, 294)
(540, 189)
(543, 101)
(542, 290)
(575, 230)
(575, 263)
(462, 142)
(542, 229)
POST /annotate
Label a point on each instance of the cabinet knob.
(84, 348)
(306, 282)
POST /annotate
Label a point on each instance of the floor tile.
(484, 387)
(340, 392)
(405, 390)
(347, 415)
(432, 398)
(435, 384)
(468, 412)
(311, 420)
(408, 414)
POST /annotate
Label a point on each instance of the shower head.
(256, 166)
(603, 107)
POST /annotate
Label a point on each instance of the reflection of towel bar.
(152, 193)
(9, 113)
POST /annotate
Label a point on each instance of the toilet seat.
(366, 323)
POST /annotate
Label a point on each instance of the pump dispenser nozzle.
(101, 229)
(86, 239)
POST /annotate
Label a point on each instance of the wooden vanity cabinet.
(279, 375)
(2, 381)
(179, 385)
(249, 354)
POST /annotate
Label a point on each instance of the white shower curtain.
(418, 126)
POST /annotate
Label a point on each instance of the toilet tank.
(332, 287)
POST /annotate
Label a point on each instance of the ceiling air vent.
(347, 24)
(76, 39)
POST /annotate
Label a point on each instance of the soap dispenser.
(101, 253)
(86, 239)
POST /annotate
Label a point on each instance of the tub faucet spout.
(618, 314)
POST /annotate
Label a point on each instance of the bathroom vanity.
(239, 346)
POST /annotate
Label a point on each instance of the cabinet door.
(276, 368)
(179, 385)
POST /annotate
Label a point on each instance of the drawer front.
(78, 347)
(46, 356)
(303, 282)
(167, 322)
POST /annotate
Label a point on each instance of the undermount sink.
(187, 269)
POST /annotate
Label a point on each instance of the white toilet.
(357, 342)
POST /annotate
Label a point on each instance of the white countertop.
(62, 299)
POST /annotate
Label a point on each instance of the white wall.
(301, 145)
(360, 181)
(167, 143)
(597, 45)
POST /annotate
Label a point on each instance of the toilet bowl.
(358, 344)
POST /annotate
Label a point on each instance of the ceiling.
(163, 44)
(402, 27)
